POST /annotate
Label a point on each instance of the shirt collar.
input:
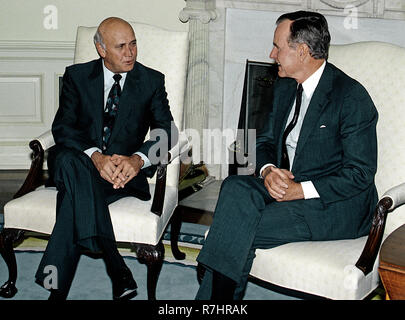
(108, 77)
(310, 84)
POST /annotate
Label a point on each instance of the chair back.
(380, 68)
(160, 49)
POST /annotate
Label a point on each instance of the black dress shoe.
(57, 295)
(124, 287)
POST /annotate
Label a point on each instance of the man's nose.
(273, 54)
(128, 51)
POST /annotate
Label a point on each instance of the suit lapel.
(96, 95)
(130, 91)
(319, 101)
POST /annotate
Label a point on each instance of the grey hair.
(98, 38)
(310, 28)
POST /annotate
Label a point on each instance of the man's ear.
(303, 51)
(100, 50)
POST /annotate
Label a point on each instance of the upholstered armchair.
(348, 269)
(140, 223)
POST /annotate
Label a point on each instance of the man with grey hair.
(315, 163)
(98, 39)
(106, 108)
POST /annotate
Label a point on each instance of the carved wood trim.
(148, 253)
(153, 257)
(33, 179)
(160, 188)
(8, 237)
(367, 258)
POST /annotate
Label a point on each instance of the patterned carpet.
(177, 281)
(191, 239)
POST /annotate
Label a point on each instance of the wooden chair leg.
(175, 226)
(152, 256)
(200, 272)
(7, 238)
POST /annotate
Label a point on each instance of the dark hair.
(310, 28)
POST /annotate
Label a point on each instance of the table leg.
(175, 225)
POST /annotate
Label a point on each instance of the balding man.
(106, 108)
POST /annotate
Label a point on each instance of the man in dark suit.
(106, 108)
(315, 163)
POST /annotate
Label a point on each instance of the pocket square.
(322, 126)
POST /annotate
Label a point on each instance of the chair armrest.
(182, 146)
(397, 196)
(38, 147)
(391, 199)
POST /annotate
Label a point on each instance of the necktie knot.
(299, 89)
(116, 88)
(117, 77)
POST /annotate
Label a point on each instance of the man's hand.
(126, 169)
(281, 185)
(104, 165)
(117, 169)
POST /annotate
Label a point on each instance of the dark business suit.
(336, 150)
(83, 196)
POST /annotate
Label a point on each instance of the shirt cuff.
(264, 167)
(90, 151)
(309, 190)
(146, 161)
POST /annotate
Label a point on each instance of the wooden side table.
(392, 264)
(196, 208)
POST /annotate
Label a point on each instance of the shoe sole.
(126, 295)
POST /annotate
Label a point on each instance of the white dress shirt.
(309, 87)
(108, 83)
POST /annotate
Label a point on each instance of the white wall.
(33, 56)
(23, 19)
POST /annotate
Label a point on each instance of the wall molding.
(40, 49)
(23, 80)
(29, 72)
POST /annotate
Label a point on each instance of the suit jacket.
(336, 150)
(143, 105)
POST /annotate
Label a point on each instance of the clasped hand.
(117, 169)
(281, 185)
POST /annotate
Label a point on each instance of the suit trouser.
(82, 217)
(247, 218)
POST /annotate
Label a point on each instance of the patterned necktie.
(111, 109)
(285, 162)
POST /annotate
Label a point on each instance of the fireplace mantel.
(385, 9)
